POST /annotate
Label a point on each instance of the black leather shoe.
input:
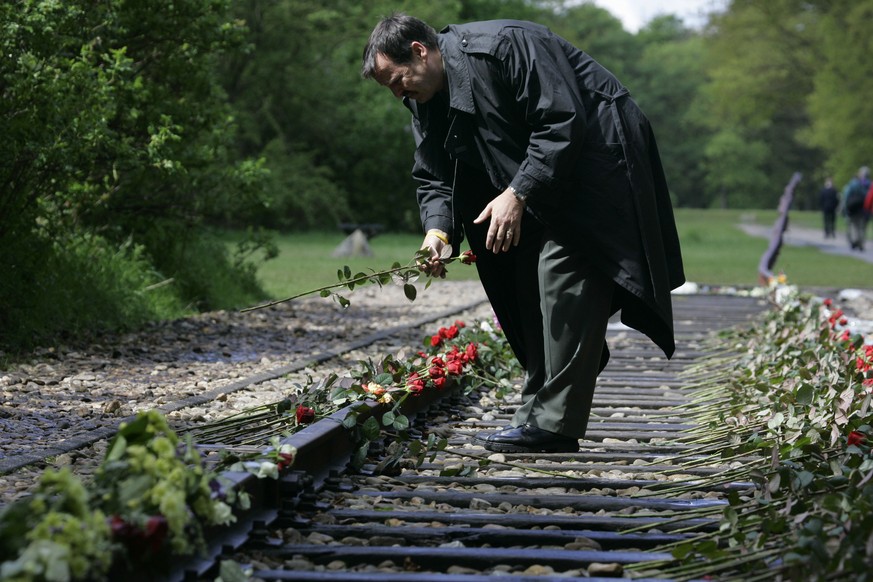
(526, 439)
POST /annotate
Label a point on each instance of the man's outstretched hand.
(504, 231)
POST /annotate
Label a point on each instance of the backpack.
(854, 196)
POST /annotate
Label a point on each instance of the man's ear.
(419, 50)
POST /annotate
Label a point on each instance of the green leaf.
(360, 455)
(347, 272)
(325, 292)
(410, 291)
(776, 421)
(383, 379)
(351, 420)
(805, 393)
(231, 571)
(804, 478)
(119, 446)
(401, 422)
(388, 418)
(370, 429)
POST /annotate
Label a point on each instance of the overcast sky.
(636, 13)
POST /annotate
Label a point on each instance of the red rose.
(455, 367)
(439, 383)
(285, 460)
(468, 258)
(436, 372)
(459, 324)
(828, 302)
(438, 362)
(305, 414)
(156, 532)
(436, 340)
(472, 352)
(452, 332)
(856, 438)
(415, 383)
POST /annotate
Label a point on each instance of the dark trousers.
(830, 221)
(553, 306)
(856, 230)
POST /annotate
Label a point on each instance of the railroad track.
(466, 514)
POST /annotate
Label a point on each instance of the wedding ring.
(508, 234)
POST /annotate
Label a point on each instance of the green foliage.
(116, 132)
(795, 407)
(150, 498)
(761, 60)
(67, 287)
(667, 78)
(54, 535)
(840, 104)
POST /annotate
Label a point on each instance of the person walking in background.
(854, 194)
(829, 200)
(868, 206)
(539, 156)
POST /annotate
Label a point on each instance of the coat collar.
(457, 74)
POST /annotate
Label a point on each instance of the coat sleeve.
(542, 83)
(432, 170)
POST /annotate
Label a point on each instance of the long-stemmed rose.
(405, 275)
(791, 412)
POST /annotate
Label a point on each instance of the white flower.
(268, 469)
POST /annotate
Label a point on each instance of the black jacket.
(539, 115)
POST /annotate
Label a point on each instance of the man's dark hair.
(393, 37)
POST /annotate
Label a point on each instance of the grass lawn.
(715, 252)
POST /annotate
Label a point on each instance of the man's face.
(420, 79)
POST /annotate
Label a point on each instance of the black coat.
(537, 114)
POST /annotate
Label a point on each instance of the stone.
(354, 245)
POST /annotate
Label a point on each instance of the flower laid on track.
(150, 497)
(305, 414)
(792, 409)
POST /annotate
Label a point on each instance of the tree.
(665, 81)
(840, 103)
(761, 59)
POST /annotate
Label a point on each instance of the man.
(829, 200)
(854, 194)
(539, 156)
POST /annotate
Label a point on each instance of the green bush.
(57, 289)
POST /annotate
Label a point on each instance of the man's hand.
(504, 231)
(435, 241)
